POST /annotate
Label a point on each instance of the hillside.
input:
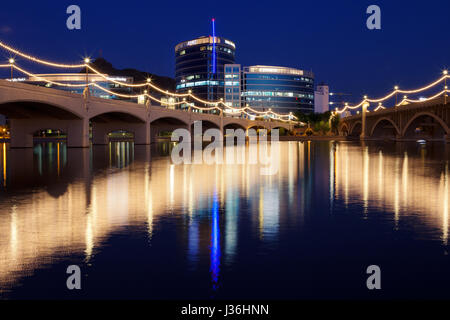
(104, 66)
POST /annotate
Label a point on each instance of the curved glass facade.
(199, 66)
(281, 89)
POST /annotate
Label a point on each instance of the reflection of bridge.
(31, 108)
(426, 120)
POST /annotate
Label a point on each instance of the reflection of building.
(200, 66)
(322, 99)
(80, 78)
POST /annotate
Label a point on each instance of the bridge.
(85, 118)
(428, 120)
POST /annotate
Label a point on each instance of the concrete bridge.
(31, 109)
(425, 120)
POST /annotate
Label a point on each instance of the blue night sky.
(328, 37)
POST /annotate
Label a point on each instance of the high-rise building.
(280, 89)
(199, 66)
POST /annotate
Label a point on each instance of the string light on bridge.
(398, 90)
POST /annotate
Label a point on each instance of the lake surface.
(140, 227)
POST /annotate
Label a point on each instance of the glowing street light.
(445, 72)
(11, 62)
(87, 61)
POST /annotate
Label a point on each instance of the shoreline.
(313, 138)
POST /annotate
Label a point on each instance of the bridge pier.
(21, 137)
(78, 133)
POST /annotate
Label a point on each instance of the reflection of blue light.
(193, 241)
(214, 45)
(215, 243)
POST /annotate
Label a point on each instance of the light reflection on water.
(252, 235)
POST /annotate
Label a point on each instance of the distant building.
(322, 99)
(199, 66)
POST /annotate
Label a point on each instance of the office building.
(280, 89)
(199, 66)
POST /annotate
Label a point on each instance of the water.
(140, 227)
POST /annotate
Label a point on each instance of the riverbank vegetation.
(323, 124)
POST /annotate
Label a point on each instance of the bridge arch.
(344, 130)
(409, 126)
(280, 125)
(256, 127)
(28, 116)
(356, 129)
(166, 118)
(379, 122)
(234, 125)
(26, 108)
(116, 116)
(127, 124)
(161, 127)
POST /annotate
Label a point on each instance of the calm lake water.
(140, 227)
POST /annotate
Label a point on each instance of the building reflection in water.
(57, 201)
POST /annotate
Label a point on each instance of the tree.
(321, 127)
(335, 120)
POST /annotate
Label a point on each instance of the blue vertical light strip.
(214, 45)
